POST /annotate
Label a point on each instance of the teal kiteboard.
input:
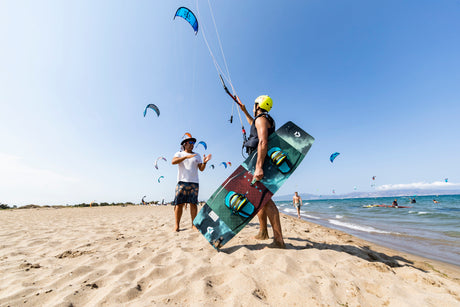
(237, 200)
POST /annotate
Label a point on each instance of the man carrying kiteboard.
(262, 125)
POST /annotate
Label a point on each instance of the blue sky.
(376, 81)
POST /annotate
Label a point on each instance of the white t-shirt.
(188, 169)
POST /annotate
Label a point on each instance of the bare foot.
(262, 235)
(176, 229)
(276, 244)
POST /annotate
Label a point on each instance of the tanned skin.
(188, 148)
(269, 209)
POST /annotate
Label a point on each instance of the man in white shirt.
(187, 186)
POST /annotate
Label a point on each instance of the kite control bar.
(237, 100)
(234, 97)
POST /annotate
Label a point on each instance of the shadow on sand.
(363, 252)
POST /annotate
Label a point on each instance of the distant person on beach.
(413, 201)
(435, 201)
(297, 202)
(262, 125)
(395, 203)
(187, 186)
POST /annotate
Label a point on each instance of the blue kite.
(189, 16)
(333, 156)
(153, 107)
(204, 145)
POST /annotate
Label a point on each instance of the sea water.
(428, 229)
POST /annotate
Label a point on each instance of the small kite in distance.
(158, 159)
(225, 164)
(333, 156)
(159, 178)
(153, 107)
(202, 143)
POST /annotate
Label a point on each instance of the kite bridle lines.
(220, 71)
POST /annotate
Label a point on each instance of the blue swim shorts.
(186, 193)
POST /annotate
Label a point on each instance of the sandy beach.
(129, 256)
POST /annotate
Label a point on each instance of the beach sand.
(129, 256)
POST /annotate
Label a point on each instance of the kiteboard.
(237, 200)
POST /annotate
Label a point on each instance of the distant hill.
(388, 193)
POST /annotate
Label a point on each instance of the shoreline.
(131, 256)
(425, 230)
(419, 260)
(392, 251)
(388, 241)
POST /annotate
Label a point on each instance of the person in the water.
(297, 202)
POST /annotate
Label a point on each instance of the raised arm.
(243, 108)
(202, 166)
(177, 160)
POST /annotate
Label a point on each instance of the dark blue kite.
(333, 156)
(153, 107)
(189, 16)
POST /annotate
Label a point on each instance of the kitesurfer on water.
(188, 164)
(262, 125)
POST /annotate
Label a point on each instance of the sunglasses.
(191, 142)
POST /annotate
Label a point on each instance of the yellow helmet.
(264, 102)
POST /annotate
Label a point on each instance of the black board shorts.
(186, 193)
